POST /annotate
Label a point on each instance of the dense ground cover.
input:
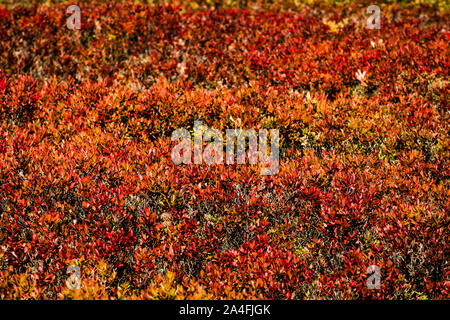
(86, 176)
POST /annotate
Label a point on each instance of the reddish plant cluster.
(86, 176)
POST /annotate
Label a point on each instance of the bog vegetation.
(87, 179)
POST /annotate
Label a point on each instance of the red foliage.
(86, 176)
